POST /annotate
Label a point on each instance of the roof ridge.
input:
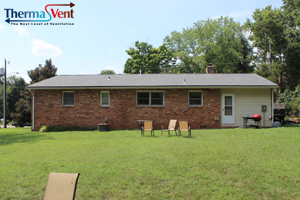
(154, 74)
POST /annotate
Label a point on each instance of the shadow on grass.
(187, 137)
(171, 136)
(12, 138)
(291, 126)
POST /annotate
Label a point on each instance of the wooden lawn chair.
(172, 127)
(184, 126)
(148, 126)
(61, 186)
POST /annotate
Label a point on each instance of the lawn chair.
(148, 126)
(61, 186)
(171, 127)
(184, 126)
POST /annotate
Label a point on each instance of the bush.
(43, 129)
(22, 115)
(59, 128)
(7, 122)
(291, 100)
(295, 107)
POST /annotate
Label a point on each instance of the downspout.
(272, 107)
(32, 111)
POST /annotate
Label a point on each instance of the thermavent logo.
(15, 17)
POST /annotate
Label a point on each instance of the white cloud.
(113, 50)
(41, 48)
(22, 31)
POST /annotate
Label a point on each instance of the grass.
(213, 164)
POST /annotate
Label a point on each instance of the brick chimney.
(210, 69)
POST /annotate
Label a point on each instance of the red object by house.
(256, 117)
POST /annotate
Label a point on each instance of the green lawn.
(213, 164)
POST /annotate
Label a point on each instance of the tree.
(184, 47)
(23, 109)
(292, 101)
(291, 10)
(219, 41)
(276, 31)
(107, 71)
(268, 36)
(267, 31)
(41, 73)
(295, 107)
(148, 59)
(14, 85)
(23, 106)
(292, 65)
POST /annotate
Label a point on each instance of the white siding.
(248, 102)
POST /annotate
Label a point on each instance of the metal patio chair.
(172, 127)
(184, 126)
(148, 126)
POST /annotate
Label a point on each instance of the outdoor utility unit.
(103, 127)
(263, 108)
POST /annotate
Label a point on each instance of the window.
(195, 98)
(68, 98)
(228, 105)
(150, 98)
(104, 98)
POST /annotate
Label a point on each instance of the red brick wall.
(123, 111)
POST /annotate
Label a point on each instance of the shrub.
(43, 129)
(291, 100)
(23, 109)
(59, 128)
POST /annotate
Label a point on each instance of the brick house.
(205, 100)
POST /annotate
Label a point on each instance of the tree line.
(221, 41)
(18, 101)
(267, 44)
(18, 105)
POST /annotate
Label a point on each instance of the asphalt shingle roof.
(154, 80)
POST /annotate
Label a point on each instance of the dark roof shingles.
(154, 80)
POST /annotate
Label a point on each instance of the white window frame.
(150, 91)
(108, 92)
(198, 105)
(63, 97)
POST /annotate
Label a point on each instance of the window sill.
(195, 106)
(150, 106)
(104, 106)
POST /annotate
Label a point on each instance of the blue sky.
(103, 30)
